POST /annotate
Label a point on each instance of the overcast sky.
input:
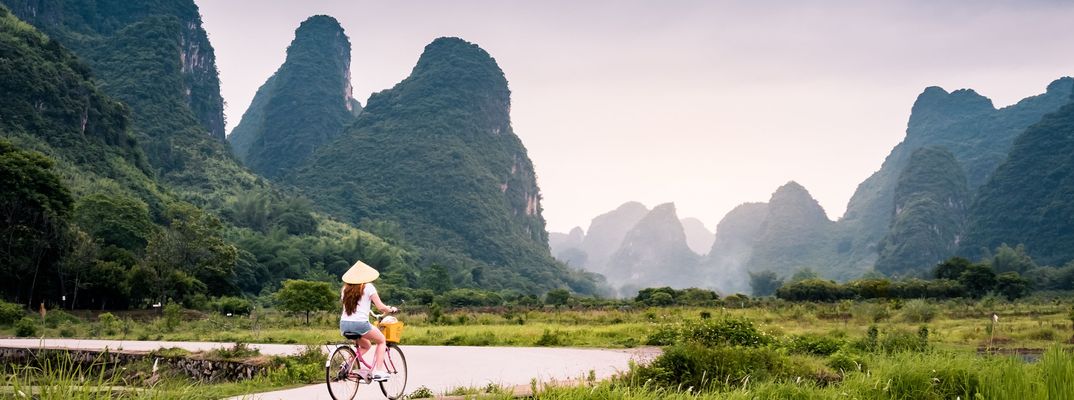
(707, 104)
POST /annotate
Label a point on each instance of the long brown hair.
(351, 295)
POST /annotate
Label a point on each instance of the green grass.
(939, 375)
(802, 335)
(954, 324)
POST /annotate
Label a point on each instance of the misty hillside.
(698, 237)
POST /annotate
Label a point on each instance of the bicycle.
(341, 369)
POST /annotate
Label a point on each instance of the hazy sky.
(707, 104)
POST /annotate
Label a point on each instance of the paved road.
(440, 368)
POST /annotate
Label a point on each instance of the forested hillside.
(435, 160)
(963, 122)
(931, 200)
(1030, 198)
(114, 227)
(62, 140)
(305, 104)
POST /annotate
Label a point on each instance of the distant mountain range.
(967, 178)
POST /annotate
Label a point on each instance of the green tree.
(813, 290)
(438, 279)
(557, 297)
(978, 280)
(952, 268)
(765, 283)
(803, 274)
(34, 205)
(116, 219)
(661, 299)
(306, 296)
(1012, 259)
(1012, 285)
(190, 254)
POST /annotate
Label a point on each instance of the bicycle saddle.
(352, 335)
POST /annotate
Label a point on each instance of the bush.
(108, 323)
(813, 344)
(232, 305)
(902, 341)
(172, 316)
(873, 312)
(550, 338)
(663, 336)
(56, 317)
(68, 330)
(923, 379)
(26, 327)
(847, 363)
(813, 289)
(10, 313)
(725, 332)
(918, 310)
(696, 367)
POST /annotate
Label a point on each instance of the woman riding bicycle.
(357, 295)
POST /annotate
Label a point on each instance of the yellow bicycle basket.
(393, 332)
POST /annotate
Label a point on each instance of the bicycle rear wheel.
(395, 386)
(342, 384)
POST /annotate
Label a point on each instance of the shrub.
(846, 363)
(924, 379)
(870, 288)
(873, 312)
(725, 332)
(10, 313)
(233, 305)
(814, 344)
(26, 327)
(696, 367)
(108, 323)
(813, 289)
(918, 310)
(68, 329)
(663, 336)
(56, 317)
(172, 316)
(899, 341)
(550, 338)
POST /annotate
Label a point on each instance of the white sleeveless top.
(361, 312)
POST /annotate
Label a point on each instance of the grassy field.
(847, 350)
(953, 324)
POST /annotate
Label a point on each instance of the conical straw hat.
(360, 273)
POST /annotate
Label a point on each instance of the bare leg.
(377, 338)
(363, 345)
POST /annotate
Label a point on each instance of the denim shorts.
(359, 327)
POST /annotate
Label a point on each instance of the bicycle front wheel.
(339, 374)
(395, 386)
